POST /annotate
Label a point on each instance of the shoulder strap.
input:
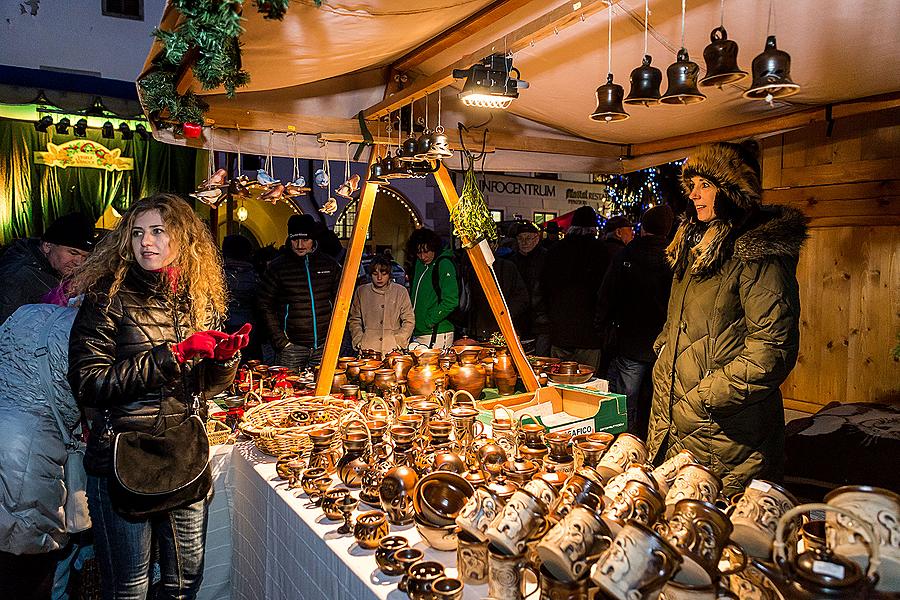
(42, 354)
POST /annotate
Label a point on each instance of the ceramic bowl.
(439, 538)
(440, 496)
(585, 372)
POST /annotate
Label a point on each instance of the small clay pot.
(370, 529)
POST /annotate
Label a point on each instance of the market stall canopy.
(321, 65)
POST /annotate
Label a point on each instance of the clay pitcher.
(420, 379)
(468, 375)
(504, 372)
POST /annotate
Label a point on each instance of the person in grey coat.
(32, 494)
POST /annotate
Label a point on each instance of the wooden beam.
(492, 292)
(256, 120)
(550, 23)
(795, 120)
(357, 138)
(457, 33)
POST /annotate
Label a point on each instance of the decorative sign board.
(83, 153)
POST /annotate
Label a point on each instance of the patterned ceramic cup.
(673, 590)
(506, 575)
(567, 550)
(471, 558)
(637, 472)
(755, 516)
(555, 589)
(624, 451)
(637, 501)
(542, 490)
(480, 509)
(695, 482)
(521, 516)
(665, 473)
(637, 565)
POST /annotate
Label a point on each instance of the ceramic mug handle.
(736, 549)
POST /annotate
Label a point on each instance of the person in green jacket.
(434, 289)
(732, 332)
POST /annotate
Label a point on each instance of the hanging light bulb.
(609, 95)
(645, 80)
(721, 57)
(682, 75)
(490, 84)
(242, 213)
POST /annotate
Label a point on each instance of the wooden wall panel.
(848, 183)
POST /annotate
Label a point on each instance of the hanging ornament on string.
(682, 75)
(721, 57)
(323, 176)
(609, 95)
(376, 173)
(646, 79)
(297, 186)
(771, 69)
(423, 144)
(351, 182)
(275, 190)
(211, 191)
(440, 143)
(263, 176)
(242, 183)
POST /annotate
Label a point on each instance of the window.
(124, 9)
(542, 217)
(496, 215)
(343, 227)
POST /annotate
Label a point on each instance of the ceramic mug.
(471, 558)
(479, 511)
(625, 450)
(566, 551)
(506, 575)
(578, 490)
(521, 516)
(699, 531)
(755, 516)
(695, 482)
(665, 473)
(637, 501)
(637, 472)
(637, 564)
(555, 589)
(542, 490)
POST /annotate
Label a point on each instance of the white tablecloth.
(283, 549)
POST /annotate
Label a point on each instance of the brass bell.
(771, 74)
(682, 77)
(721, 60)
(609, 102)
(645, 82)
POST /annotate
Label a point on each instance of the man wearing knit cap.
(32, 267)
(631, 311)
(571, 277)
(617, 233)
(296, 296)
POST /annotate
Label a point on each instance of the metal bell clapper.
(682, 80)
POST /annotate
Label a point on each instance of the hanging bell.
(609, 102)
(376, 174)
(771, 74)
(423, 145)
(409, 150)
(645, 81)
(440, 146)
(682, 77)
(721, 60)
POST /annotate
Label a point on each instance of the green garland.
(158, 93)
(272, 9)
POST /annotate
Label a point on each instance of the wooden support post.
(488, 281)
(347, 285)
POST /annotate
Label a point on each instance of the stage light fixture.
(142, 131)
(44, 124)
(80, 129)
(62, 127)
(125, 130)
(107, 131)
(490, 83)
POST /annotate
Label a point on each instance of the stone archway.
(393, 220)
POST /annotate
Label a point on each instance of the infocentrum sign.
(549, 194)
(83, 153)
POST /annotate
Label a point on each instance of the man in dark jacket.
(617, 233)
(631, 312)
(32, 267)
(296, 296)
(530, 258)
(482, 323)
(572, 276)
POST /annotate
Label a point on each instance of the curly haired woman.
(141, 348)
(732, 330)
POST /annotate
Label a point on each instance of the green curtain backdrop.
(29, 191)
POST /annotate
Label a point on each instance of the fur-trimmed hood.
(734, 170)
(768, 232)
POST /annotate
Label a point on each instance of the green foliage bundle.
(471, 216)
(158, 92)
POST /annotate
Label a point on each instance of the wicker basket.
(273, 431)
(217, 432)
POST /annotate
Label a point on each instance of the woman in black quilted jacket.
(142, 353)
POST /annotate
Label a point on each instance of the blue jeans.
(298, 358)
(124, 547)
(632, 378)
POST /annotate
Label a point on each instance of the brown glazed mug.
(625, 450)
(637, 501)
(755, 515)
(665, 473)
(578, 490)
(471, 558)
(699, 531)
(543, 490)
(506, 575)
(695, 482)
(555, 589)
(521, 516)
(566, 551)
(384, 554)
(636, 471)
(637, 564)
(479, 511)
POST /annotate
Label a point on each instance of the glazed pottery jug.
(420, 378)
(441, 396)
(401, 365)
(322, 454)
(353, 464)
(340, 379)
(384, 379)
(468, 374)
(504, 372)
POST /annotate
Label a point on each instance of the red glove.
(229, 344)
(201, 344)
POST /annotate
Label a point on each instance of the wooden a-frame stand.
(480, 256)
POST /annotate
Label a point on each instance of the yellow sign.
(83, 153)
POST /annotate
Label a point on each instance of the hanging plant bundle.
(471, 217)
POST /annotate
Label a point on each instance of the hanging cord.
(296, 158)
(240, 162)
(440, 127)
(347, 164)
(211, 159)
(411, 123)
(770, 25)
(647, 23)
(722, 15)
(325, 166)
(269, 153)
(683, 9)
(426, 114)
(609, 39)
(472, 158)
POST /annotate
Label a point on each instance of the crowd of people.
(698, 327)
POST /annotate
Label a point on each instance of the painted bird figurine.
(330, 207)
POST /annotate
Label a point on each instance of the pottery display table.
(283, 548)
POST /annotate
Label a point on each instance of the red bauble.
(192, 130)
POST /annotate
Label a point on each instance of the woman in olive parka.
(732, 330)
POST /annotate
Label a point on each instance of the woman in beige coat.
(381, 315)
